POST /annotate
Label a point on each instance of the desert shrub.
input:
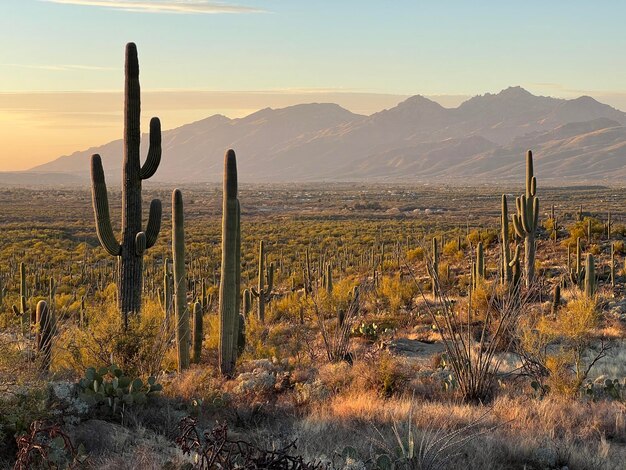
(18, 410)
(385, 374)
(452, 248)
(416, 254)
(395, 292)
(139, 349)
(558, 352)
(487, 236)
(46, 445)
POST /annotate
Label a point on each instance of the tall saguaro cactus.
(526, 220)
(181, 309)
(229, 296)
(134, 239)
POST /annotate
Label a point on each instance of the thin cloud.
(162, 6)
(60, 67)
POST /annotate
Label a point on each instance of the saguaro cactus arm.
(154, 222)
(151, 164)
(101, 208)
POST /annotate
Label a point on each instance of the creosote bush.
(138, 349)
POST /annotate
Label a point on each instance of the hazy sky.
(61, 64)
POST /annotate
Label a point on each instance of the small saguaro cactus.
(576, 273)
(262, 292)
(608, 226)
(479, 265)
(22, 309)
(612, 270)
(556, 299)
(134, 240)
(246, 302)
(590, 276)
(229, 297)
(328, 279)
(168, 289)
(197, 332)
(507, 272)
(45, 330)
(181, 309)
(527, 218)
(435, 267)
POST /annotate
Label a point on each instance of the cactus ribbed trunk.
(45, 330)
(129, 263)
(181, 308)
(507, 271)
(229, 302)
(261, 301)
(197, 332)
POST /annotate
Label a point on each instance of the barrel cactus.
(134, 240)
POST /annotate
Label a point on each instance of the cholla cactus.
(134, 239)
(526, 220)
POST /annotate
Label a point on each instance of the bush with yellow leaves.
(397, 293)
(559, 352)
(139, 350)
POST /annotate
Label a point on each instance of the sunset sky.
(61, 64)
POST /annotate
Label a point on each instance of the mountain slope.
(484, 137)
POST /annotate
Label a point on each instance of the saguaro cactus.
(612, 270)
(181, 309)
(262, 293)
(479, 268)
(134, 240)
(328, 279)
(168, 289)
(435, 273)
(576, 273)
(556, 299)
(43, 337)
(527, 218)
(229, 297)
(507, 270)
(22, 309)
(590, 276)
(197, 332)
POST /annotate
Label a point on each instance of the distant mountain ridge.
(485, 137)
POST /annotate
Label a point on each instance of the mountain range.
(576, 140)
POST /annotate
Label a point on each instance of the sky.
(61, 64)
